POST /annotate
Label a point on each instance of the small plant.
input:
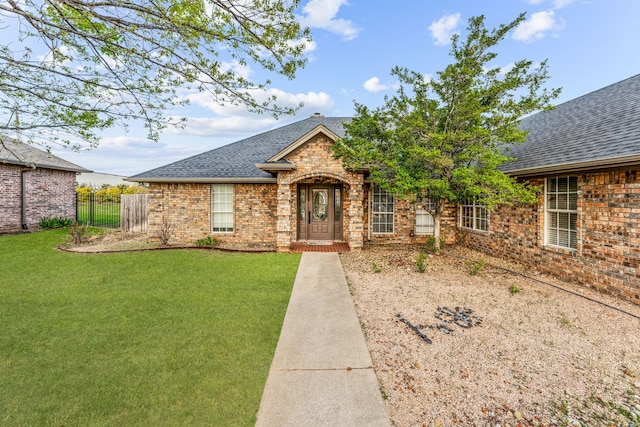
(475, 267)
(514, 289)
(207, 242)
(565, 322)
(79, 233)
(421, 266)
(164, 232)
(54, 222)
(376, 267)
(430, 244)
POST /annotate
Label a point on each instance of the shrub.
(54, 222)
(79, 233)
(421, 266)
(207, 242)
(476, 267)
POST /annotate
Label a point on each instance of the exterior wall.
(48, 193)
(608, 253)
(188, 209)
(405, 223)
(315, 163)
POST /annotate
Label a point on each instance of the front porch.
(302, 246)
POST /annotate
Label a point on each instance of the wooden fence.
(133, 212)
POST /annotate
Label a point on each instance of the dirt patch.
(518, 351)
(120, 241)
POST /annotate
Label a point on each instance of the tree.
(443, 139)
(77, 67)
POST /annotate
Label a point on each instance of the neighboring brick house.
(34, 184)
(284, 186)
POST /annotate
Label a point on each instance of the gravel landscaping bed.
(518, 352)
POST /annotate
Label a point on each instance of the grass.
(166, 338)
(104, 214)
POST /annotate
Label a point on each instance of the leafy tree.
(71, 68)
(442, 139)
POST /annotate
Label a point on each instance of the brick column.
(283, 230)
(356, 212)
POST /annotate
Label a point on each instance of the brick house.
(34, 184)
(585, 158)
(276, 188)
(284, 186)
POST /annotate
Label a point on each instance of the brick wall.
(188, 208)
(608, 253)
(405, 222)
(48, 193)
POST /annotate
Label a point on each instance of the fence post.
(91, 208)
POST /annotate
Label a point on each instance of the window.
(382, 211)
(424, 220)
(562, 212)
(474, 216)
(222, 208)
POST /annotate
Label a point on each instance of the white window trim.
(373, 212)
(213, 212)
(474, 209)
(547, 219)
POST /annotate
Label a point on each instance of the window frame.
(479, 214)
(224, 207)
(378, 192)
(561, 197)
(420, 211)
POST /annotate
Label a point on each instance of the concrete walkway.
(321, 374)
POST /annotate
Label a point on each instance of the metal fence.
(100, 210)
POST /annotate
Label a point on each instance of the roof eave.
(268, 167)
(33, 165)
(612, 162)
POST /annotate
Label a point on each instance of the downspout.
(23, 199)
(370, 214)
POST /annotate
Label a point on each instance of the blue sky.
(589, 44)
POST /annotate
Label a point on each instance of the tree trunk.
(436, 230)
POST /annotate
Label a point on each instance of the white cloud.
(444, 28)
(235, 120)
(557, 4)
(373, 85)
(537, 26)
(322, 14)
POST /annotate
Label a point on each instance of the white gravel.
(540, 357)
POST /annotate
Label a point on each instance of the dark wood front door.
(319, 212)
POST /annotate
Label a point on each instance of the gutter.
(610, 162)
(23, 199)
(205, 180)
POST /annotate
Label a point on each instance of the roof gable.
(320, 129)
(237, 162)
(18, 153)
(600, 129)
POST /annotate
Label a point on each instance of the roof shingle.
(18, 153)
(599, 128)
(238, 160)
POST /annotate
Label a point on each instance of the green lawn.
(100, 214)
(170, 338)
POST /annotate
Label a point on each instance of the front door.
(320, 226)
(319, 212)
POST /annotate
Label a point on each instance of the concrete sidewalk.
(321, 374)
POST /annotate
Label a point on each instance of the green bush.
(207, 242)
(54, 222)
(421, 266)
(476, 267)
